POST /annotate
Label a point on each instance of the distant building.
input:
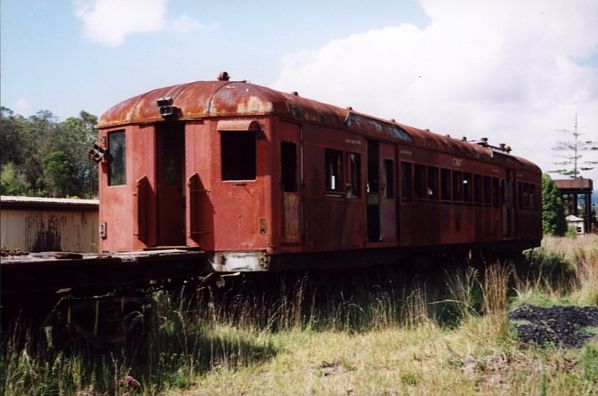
(577, 197)
(576, 223)
(34, 224)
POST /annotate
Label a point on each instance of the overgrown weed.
(450, 329)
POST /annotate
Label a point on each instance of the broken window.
(117, 168)
(238, 155)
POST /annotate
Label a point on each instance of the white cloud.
(508, 70)
(184, 23)
(110, 21)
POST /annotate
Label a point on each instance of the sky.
(514, 71)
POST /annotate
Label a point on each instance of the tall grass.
(201, 330)
(562, 270)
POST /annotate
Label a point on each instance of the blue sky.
(49, 63)
(513, 71)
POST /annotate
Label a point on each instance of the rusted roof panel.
(203, 99)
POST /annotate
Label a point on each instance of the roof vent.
(483, 142)
(464, 138)
(295, 93)
(223, 76)
(349, 108)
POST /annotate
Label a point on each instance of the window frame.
(111, 162)
(227, 156)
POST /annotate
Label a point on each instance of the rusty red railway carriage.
(265, 180)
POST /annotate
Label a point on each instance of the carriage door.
(291, 181)
(381, 192)
(388, 200)
(170, 160)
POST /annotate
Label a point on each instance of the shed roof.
(579, 184)
(18, 202)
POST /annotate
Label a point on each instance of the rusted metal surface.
(41, 224)
(206, 99)
(240, 221)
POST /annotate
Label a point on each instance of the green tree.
(58, 174)
(553, 210)
(28, 151)
(77, 136)
(12, 181)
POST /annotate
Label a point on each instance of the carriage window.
(288, 166)
(389, 173)
(433, 183)
(117, 168)
(445, 184)
(467, 182)
(420, 182)
(495, 193)
(354, 175)
(487, 190)
(477, 188)
(457, 186)
(532, 196)
(238, 155)
(333, 162)
(406, 181)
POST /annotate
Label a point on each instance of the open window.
(406, 181)
(445, 184)
(288, 166)
(117, 165)
(457, 186)
(432, 183)
(467, 187)
(389, 174)
(333, 163)
(421, 191)
(487, 190)
(238, 154)
(353, 175)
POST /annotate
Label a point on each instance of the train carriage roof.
(208, 99)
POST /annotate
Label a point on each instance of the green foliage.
(59, 174)
(12, 181)
(553, 210)
(589, 363)
(29, 159)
